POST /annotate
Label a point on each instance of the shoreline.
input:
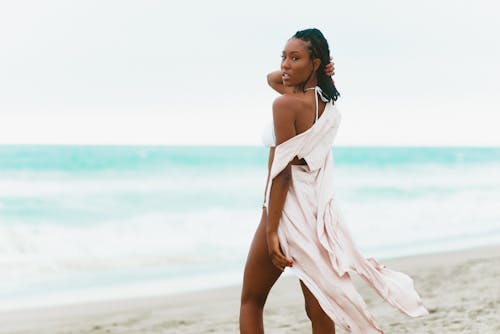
(460, 288)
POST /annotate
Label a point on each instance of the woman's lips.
(285, 76)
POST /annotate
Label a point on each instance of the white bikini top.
(268, 136)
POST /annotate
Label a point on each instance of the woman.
(301, 226)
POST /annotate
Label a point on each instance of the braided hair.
(318, 48)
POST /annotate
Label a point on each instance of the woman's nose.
(285, 63)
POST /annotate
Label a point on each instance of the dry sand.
(461, 289)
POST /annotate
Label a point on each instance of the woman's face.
(296, 65)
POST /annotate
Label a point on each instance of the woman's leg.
(259, 277)
(321, 322)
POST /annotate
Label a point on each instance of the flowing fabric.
(313, 233)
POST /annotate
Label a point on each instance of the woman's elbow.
(269, 79)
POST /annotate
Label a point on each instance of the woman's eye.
(292, 58)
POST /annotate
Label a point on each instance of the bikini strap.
(317, 91)
(316, 96)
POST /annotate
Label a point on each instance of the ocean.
(81, 223)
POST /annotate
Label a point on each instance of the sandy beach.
(461, 289)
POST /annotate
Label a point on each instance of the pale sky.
(194, 72)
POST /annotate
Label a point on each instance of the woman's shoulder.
(289, 102)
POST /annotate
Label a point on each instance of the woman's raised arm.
(274, 80)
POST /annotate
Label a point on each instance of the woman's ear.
(316, 63)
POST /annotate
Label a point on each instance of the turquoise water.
(83, 222)
(128, 158)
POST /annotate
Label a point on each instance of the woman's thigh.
(260, 273)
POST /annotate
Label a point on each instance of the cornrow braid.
(318, 48)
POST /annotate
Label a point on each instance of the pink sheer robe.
(312, 232)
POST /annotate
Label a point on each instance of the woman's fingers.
(330, 69)
(283, 259)
(280, 261)
(277, 257)
(278, 265)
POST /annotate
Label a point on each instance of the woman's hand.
(277, 258)
(330, 68)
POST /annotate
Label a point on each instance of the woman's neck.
(309, 85)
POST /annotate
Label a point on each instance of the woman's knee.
(253, 298)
